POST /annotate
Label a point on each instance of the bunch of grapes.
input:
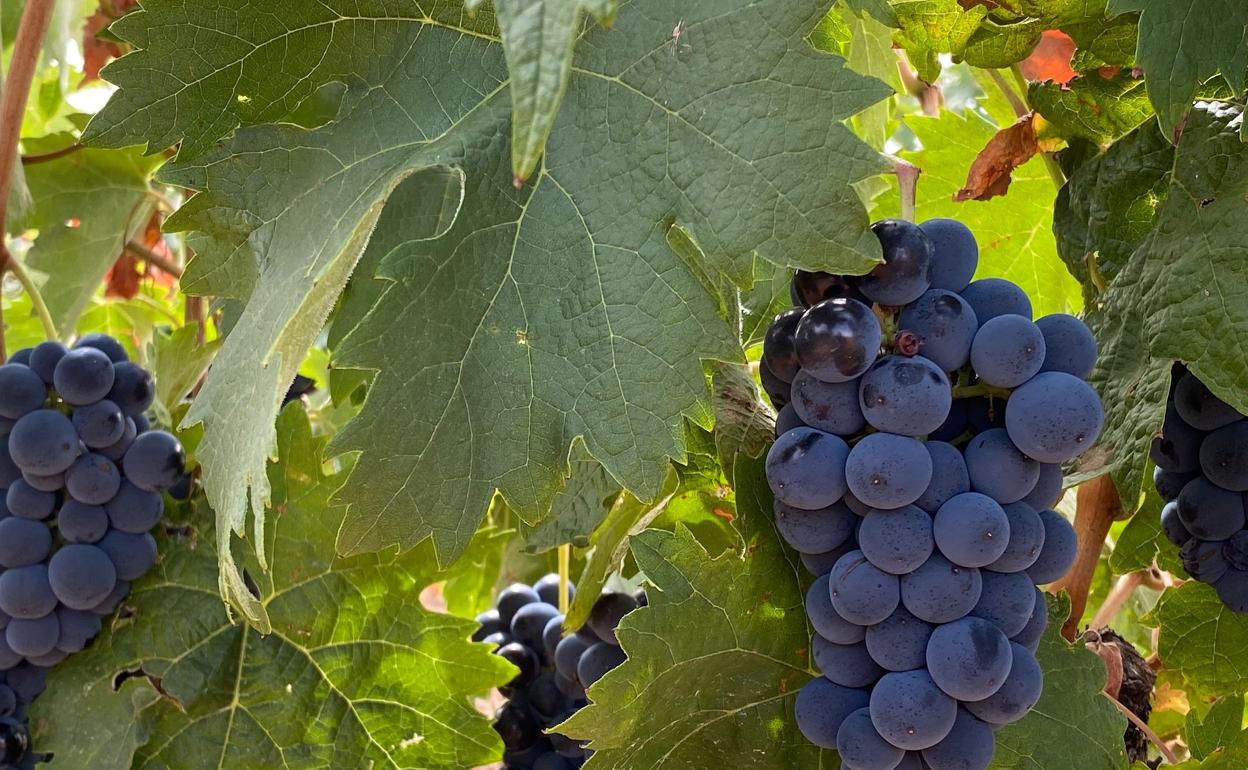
(1202, 472)
(82, 477)
(526, 628)
(923, 421)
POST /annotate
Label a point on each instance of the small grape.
(1059, 551)
(45, 357)
(906, 396)
(43, 442)
(838, 340)
(109, 346)
(21, 391)
(81, 576)
(83, 376)
(955, 254)
(1054, 417)
(998, 469)
(861, 592)
(971, 530)
(949, 476)
(991, 297)
(816, 531)
(23, 542)
(32, 637)
(906, 271)
(135, 510)
(605, 615)
(93, 479)
(822, 707)
(848, 665)
(969, 659)
(910, 711)
(946, 326)
(831, 407)
(888, 471)
(861, 746)
(1069, 345)
(1199, 408)
(133, 389)
(778, 350)
(132, 555)
(806, 468)
(154, 461)
(597, 661)
(1008, 350)
(1030, 636)
(81, 523)
(1224, 457)
(1021, 691)
(100, 424)
(26, 593)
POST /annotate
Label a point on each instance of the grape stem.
(907, 185)
(155, 260)
(980, 389)
(1097, 506)
(30, 33)
(565, 565)
(1118, 595)
(1144, 728)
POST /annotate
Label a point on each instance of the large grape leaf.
(1181, 45)
(538, 38)
(1183, 295)
(1202, 639)
(85, 205)
(732, 632)
(558, 310)
(579, 507)
(1014, 231)
(1093, 106)
(355, 674)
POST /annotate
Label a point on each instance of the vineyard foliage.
(522, 255)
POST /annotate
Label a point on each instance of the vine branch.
(30, 33)
(1097, 506)
(1144, 728)
(907, 186)
(152, 258)
(30, 160)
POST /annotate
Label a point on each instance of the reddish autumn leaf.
(97, 51)
(123, 277)
(126, 275)
(1008, 149)
(1051, 58)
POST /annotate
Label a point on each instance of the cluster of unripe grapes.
(82, 475)
(1202, 473)
(923, 420)
(526, 628)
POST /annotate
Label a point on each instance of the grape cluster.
(526, 628)
(82, 476)
(923, 421)
(1202, 472)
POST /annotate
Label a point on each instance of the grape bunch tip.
(82, 475)
(923, 421)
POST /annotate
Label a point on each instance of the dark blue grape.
(9, 472)
(811, 288)
(1233, 590)
(910, 711)
(134, 510)
(1208, 511)
(777, 390)
(100, 424)
(27, 502)
(815, 531)
(547, 588)
(945, 325)
(838, 340)
(21, 391)
(21, 357)
(1007, 600)
(154, 461)
(887, 471)
(822, 563)
(1236, 551)
(523, 658)
(1177, 449)
(115, 351)
(133, 389)
(605, 616)
(861, 746)
(861, 592)
(597, 661)
(93, 479)
(1021, 691)
(26, 593)
(906, 271)
(113, 600)
(787, 420)
(81, 523)
(848, 665)
(142, 424)
(23, 542)
(45, 357)
(512, 598)
(1026, 539)
(529, 623)
(568, 653)
(1199, 408)
(1205, 560)
(899, 642)
(1224, 457)
(822, 707)
(132, 555)
(1048, 489)
(826, 621)
(831, 407)
(998, 469)
(53, 483)
(906, 396)
(970, 745)
(806, 468)
(778, 345)
(955, 254)
(1069, 345)
(992, 297)
(971, 530)
(1008, 350)
(487, 623)
(1170, 485)
(83, 376)
(1054, 417)
(1059, 551)
(954, 425)
(898, 541)
(941, 591)
(969, 658)
(518, 725)
(32, 637)
(1172, 525)
(117, 451)
(1030, 636)
(44, 442)
(81, 576)
(77, 628)
(949, 476)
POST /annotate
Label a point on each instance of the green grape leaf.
(579, 507)
(996, 45)
(610, 541)
(871, 53)
(538, 38)
(1109, 203)
(1073, 725)
(1180, 297)
(471, 582)
(931, 27)
(86, 206)
(1093, 107)
(1103, 42)
(1014, 231)
(743, 423)
(177, 361)
(767, 297)
(1221, 727)
(880, 10)
(1142, 541)
(1181, 45)
(355, 673)
(730, 633)
(1202, 639)
(559, 310)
